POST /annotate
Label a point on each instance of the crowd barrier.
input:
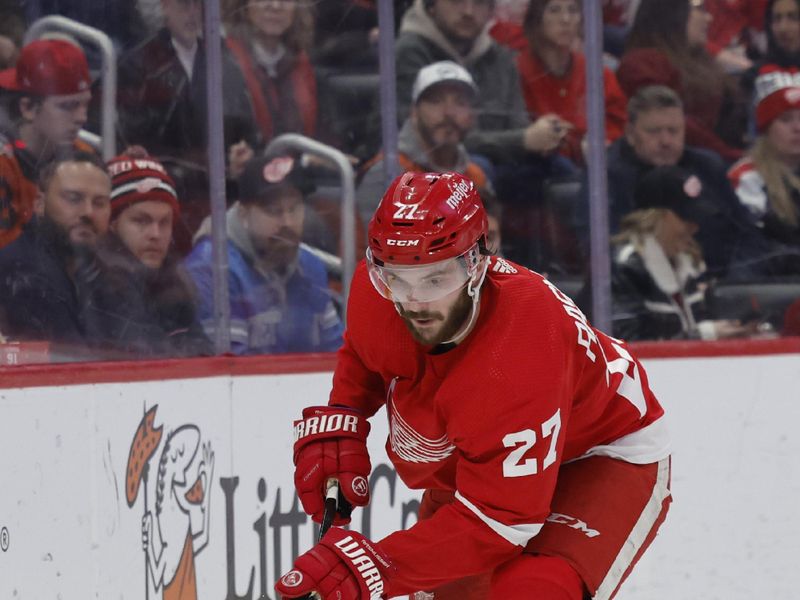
(198, 453)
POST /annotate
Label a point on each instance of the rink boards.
(220, 499)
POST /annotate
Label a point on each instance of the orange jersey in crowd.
(17, 193)
(18, 189)
(492, 419)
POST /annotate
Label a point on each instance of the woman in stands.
(782, 26)
(553, 74)
(767, 180)
(270, 41)
(657, 268)
(667, 46)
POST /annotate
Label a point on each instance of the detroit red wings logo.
(409, 444)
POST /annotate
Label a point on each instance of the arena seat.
(765, 301)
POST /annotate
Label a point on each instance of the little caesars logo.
(458, 194)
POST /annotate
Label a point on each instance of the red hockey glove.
(331, 442)
(343, 566)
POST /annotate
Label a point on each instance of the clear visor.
(423, 283)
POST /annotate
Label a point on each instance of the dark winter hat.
(48, 68)
(264, 175)
(676, 189)
(137, 178)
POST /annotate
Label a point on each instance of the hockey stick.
(331, 502)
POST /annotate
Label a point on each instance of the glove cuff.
(325, 422)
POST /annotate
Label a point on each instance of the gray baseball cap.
(444, 71)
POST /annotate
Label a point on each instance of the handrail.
(295, 141)
(108, 70)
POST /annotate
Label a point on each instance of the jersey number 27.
(514, 465)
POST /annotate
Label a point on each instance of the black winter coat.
(643, 310)
(163, 110)
(89, 315)
(167, 297)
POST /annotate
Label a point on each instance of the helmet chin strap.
(475, 294)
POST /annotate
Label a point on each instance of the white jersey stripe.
(516, 534)
(638, 535)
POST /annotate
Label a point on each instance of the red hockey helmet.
(426, 217)
(426, 237)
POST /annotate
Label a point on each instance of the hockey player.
(541, 449)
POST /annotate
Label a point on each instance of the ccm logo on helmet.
(391, 242)
(457, 194)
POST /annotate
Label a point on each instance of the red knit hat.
(48, 68)
(777, 90)
(137, 178)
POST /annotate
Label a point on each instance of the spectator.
(53, 287)
(48, 95)
(435, 30)
(518, 156)
(657, 266)
(782, 27)
(654, 136)
(553, 74)
(432, 137)
(162, 106)
(667, 46)
(269, 41)
(767, 180)
(144, 207)
(162, 92)
(782, 33)
(279, 294)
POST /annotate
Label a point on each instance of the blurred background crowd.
(106, 244)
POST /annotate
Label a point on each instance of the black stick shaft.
(331, 501)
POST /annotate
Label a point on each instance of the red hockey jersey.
(532, 386)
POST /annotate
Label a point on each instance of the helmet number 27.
(515, 465)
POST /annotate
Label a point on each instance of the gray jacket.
(502, 116)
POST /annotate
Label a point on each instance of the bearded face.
(433, 323)
(275, 227)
